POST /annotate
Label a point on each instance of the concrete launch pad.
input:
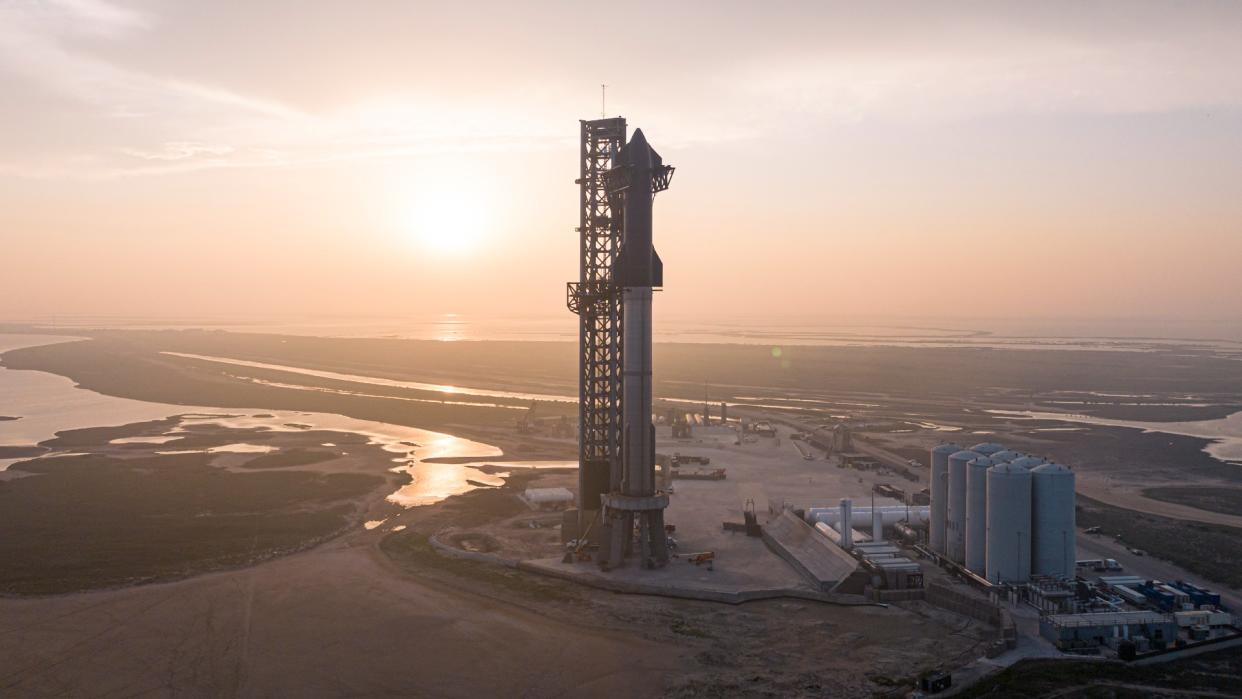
(748, 575)
(773, 474)
(783, 564)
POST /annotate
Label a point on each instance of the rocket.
(638, 270)
(639, 172)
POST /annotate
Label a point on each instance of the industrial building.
(1147, 630)
(1128, 614)
(1171, 597)
(1000, 514)
(1176, 596)
(1006, 522)
(1211, 618)
(887, 567)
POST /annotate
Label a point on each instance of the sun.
(449, 220)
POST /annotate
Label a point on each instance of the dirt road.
(1129, 495)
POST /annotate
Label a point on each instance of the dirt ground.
(151, 502)
(336, 621)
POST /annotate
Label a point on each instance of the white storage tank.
(832, 535)
(988, 448)
(976, 513)
(1053, 545)
(1027, 461)
(939, 487)
(1009, 524)
(1004, 455)
(955, 514)
(862, 516)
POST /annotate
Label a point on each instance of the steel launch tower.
(618, 269)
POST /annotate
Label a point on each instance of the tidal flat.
(107, 514)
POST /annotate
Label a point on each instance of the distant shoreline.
(788, 333)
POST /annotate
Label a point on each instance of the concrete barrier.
(963, 601)
(895, 595)
(1189, 651)
(602, 581)
(584, 575)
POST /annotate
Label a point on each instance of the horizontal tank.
(1008, 524)
(939, 487)
(976, 513)
(861, 516)
(955, 513)
(1053, 545)
(834, 536)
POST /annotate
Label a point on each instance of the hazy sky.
(854, 159)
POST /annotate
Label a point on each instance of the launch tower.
(618, 268)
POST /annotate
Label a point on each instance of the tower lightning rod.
(603, 93)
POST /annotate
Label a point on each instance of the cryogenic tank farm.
(992, 518)
(1052, 520)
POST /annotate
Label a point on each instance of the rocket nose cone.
(638, 152)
